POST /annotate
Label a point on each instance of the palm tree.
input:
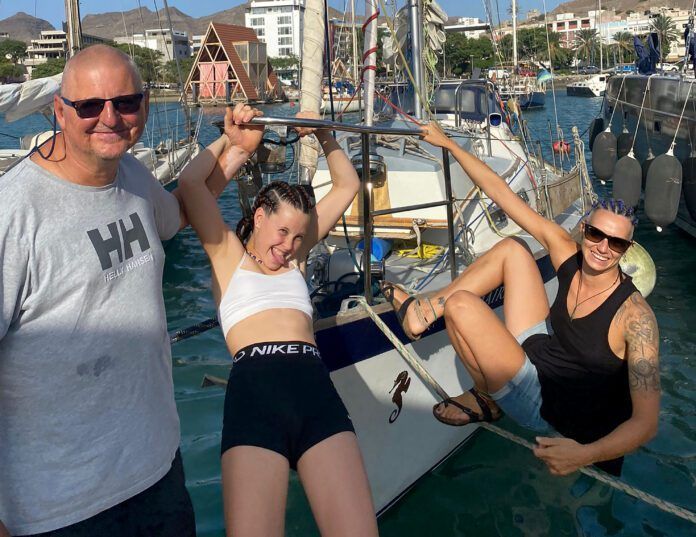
(586, 43)
(666, 32)
(624, 44)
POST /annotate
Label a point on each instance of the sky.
(52, 10)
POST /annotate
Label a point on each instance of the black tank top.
(584, 385)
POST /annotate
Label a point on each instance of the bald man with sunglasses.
(89, 432)
(586, 367)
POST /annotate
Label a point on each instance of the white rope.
(640, 114)
(618, 100)
(676, 132)
(663, 505)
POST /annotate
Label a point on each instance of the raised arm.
(639, 325)
(217, 164)
(344, 186)
(239, 143)
(552, 237)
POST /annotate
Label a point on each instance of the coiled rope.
(427, 378)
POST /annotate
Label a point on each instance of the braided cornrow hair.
(270, 197)
(616, 206)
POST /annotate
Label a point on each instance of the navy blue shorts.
(164, 510)
(280, 397)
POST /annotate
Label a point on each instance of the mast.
(312, 72)
(182, 93)
(601, 56)
(354, 39)
(369, 59)
(514, 36)
(416, 55)
(73, 30)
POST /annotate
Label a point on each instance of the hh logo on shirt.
(120, 238)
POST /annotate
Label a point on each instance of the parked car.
(667, 67)
(589, 70)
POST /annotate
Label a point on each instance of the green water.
(490, 486)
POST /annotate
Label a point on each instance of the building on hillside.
(53, 44)
(231, 66)
(172, 44)
(471, 27)
(196, 43)
(278, 23)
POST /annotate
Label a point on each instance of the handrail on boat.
(367, 214)
(333, 125)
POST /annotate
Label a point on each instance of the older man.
(89, 431)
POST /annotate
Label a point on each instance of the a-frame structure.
(232, 66)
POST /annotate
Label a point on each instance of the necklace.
(577, 295)
(259, 261)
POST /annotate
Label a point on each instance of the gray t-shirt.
(87, 412)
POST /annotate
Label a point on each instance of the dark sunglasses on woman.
(617, 244)
(91, 108)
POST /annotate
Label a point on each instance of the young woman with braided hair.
(281, 408)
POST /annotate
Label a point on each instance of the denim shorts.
(520, 398)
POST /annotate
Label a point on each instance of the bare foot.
(419, 314)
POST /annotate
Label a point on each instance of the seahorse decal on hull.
(401, 384)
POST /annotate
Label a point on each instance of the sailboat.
(165, 160)
(418, 221)
(528, 91)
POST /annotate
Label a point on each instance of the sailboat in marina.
(165, 154)
(419, 221)
(528, 91)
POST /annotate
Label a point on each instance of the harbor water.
(490, 486)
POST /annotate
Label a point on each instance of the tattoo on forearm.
(642, 345)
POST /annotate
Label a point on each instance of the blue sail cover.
(644, 62)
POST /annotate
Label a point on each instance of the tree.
(50, 68)
(171, 74)
(624, 44)
(9, 72)
(666, 32)
(586, 43)
(17, 50)
(148, 61)
(460, 51)
(288, 62)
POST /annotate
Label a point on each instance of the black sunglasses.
(91, 108)
(617, 244)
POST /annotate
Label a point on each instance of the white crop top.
(251, 292)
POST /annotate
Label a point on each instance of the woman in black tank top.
(596, 378)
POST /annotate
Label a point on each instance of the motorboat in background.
(593, 86)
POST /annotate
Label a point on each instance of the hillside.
(23, 27)
(621, 6)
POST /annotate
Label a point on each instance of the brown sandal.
(487, 413)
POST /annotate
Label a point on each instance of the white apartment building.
(53, 44)
(196, 43)
(278, 23)
(172, 44)
(471, 27)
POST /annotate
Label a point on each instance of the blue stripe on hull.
(353, 342)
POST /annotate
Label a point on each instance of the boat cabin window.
(471, 97)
